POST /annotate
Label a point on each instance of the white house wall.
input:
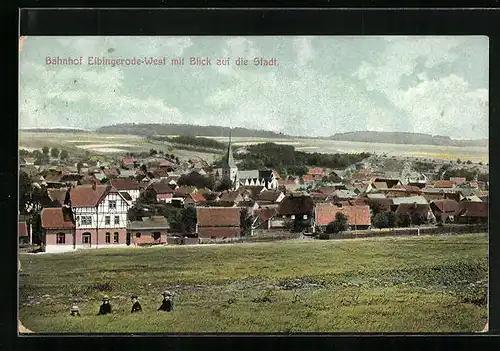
(102, 211)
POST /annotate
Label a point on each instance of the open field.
(109, 144)
(412, 284)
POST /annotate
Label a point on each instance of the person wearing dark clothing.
(166, 304)
(136, 306)
(105, 307)
(75, 311)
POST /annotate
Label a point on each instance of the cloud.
(323, 85)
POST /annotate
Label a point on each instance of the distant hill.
(186, 130)
(407, 138)
(55, 130)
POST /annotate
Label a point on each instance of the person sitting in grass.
(75, 311)
(105, 307)
(136, 306)
(166, 304)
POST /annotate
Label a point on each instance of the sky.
(322, 85)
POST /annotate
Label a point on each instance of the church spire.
(229, 156)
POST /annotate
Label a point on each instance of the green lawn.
(414, 284)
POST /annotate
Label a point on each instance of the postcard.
(258, 184)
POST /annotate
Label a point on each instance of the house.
(100, 216)
(57, 196)
(130, 186)
(308, 178)
(215, 223)
(444, 184)
(458, 180)
(250, 205)
(265, 216)
(127, 174)
(71, 179)
(414, 209)
(150, 230)
(410, 200)
(319, 197)
(194, 200)
(250, 177)
(296, 207)
(403, 190)
(22, 233)
(358, 217)
(289, 184)
(270, 196)
(128, 163)
(111, 173)
(163, 191)
(316, 173)
(473, 212)
(159, 173)
(29, 161)
(59, 229)
(445, 210)
(251, 191)
(231, 197)
(415, 178)
(382, 183)
(340, 195)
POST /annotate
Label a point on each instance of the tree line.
(192, 141)
(286, 159)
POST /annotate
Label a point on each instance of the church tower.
(229, 169)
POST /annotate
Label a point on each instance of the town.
(154, 198)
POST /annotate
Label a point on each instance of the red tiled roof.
(286, 182)
(22, 229)
(307, 178)
(446, 206)
(197, 197)
(58, 195)
(53, 218)
(458, 180)
(230, 196)
(265, 214)
(269, 195)
(218, 216)
(443, 184)
(165, 164)
(129, 161)
(356, 215)
(162, 188)
(316, 171)
(111, 172)
(473, 209)
(160, 173)
(408, 188)
(86, 196)
(164, 196)
(185, 190)
(125, 184)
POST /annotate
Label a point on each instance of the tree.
(197, 180)
(148, 196)
(188, 219)
(380, 220)
(79, 166)
(375, 208)
(391, 219)
(25, 186)
(245, 221)
(459, 161)
(338, 225)
(403, 220)
(45, 150)
(63, 155)
(152, 152)
(224, 184)
(54, 152)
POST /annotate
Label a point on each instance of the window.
(86, 220)
(61, 238)
(137, 235)
(108, 238)
(304, 217)
(86, 238)
(117, 219)
(156, 235)
(115, 239)
(107, 220)
(112, 204)
(292, 216)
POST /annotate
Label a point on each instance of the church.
(239, 178)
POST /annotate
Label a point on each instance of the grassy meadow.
(406, 284)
